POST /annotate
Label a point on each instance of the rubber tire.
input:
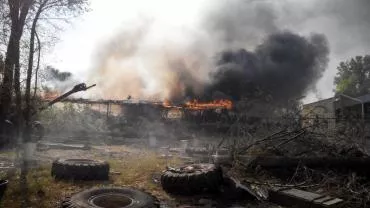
(80, 169)
(207, 180)
(81, 200)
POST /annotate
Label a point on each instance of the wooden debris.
(361, 164)
(303, 199)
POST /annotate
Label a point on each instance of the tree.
(1, 67)
(18, 11)
(16, 18)
(19, 17)
(43, 9)
(353, 76)
(24, 16)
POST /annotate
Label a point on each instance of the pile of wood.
(309, 161)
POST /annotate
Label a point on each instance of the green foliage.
(68, 118)
(344, 85)
(353, 76)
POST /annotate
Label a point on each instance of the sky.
(81, 40)
(344, 23)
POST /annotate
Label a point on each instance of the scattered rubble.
(298, 198)
(299, 162)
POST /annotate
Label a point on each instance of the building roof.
(347, 100)
(364, 98)
(319, 101)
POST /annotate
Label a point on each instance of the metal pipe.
(76, 88)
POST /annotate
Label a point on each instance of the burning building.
(202, 90)
(280, 69)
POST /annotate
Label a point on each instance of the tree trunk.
(38, 64)
(18, 94)
(10, 60)
(27, 112)
(18, 12)
(6, 91)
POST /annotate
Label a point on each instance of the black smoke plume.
(285, 66)
(237, 50)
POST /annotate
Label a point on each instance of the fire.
(50, 95)
(196, 105)
(166, 103)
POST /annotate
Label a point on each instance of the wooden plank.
(303, 199)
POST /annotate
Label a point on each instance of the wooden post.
(108, 105)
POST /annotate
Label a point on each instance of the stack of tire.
(192, 179)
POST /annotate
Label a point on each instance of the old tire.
(111, 198)
(80, 169)
(192, 179)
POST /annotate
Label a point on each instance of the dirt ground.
(139, 168)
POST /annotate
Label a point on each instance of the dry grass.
(44, 192)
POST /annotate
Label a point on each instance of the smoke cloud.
(140, 63)
(285, 66)
(236, 49)
(58, 81)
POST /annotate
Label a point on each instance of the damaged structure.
(337, 109)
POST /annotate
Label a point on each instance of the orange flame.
(196, 105)
(166, 103)
(50, 95)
